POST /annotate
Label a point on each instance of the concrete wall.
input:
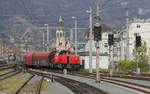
(104, 62)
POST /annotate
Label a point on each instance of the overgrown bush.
(130, 66)
(127, 66)
(143, 66)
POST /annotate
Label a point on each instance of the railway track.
(25, 83)
(116, 76)
(137, 87)
(7, 73)
(5, 76)
(133, 86)
(129, 85)
(3, 65)
(76, 86)
(130, 77)
(5, 68)
(39, 86)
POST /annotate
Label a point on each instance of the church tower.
(60, 37)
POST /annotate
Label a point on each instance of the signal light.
(110, 39)
(138, 41)
(97, 32)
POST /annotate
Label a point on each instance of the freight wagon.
(53, 59)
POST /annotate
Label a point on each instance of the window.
(138, 26)
(105, 45)
(57, 34)
(60, 34)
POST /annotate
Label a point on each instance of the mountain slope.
(39, 12)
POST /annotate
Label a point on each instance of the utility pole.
(90, 37)
(2, 49)
(47, 36)
(43, 35)
(75, 29)
(97, 47)
(71, 36)
(149, 66)
(127, 35)
(111, 50)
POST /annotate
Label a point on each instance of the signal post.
(110, 43)
(138, 44)
(97, 38)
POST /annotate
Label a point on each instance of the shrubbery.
(94, 70)
(127, 66)
(130, 66)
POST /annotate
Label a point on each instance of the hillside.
(16, 15)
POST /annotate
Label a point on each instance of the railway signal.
(137, 44)
(111, 39)
(138, 41)
(97, 32)
(97, 38)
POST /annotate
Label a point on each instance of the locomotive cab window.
(64, 52)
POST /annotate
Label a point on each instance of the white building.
(103, 44)
(104, 62)
(104, 49)
(140, 27)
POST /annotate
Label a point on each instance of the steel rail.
(15, 73)
(69, 83)
(18, 91)
(7, 73)
(40, 85)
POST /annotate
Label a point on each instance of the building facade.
(104, 49)
(103, 44)
(138, 27)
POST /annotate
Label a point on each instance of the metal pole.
(43, 40)
(97, 62)
(127, 34)
(136, 62)
(71, 36)
(90, 53)
(120, 49)
(76, 49)
(97, 48)
(149, 67)
(47, 37)
(110, 58)
(2, 49)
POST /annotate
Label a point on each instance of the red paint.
(36, 58)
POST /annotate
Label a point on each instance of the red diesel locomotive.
(53, 59)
